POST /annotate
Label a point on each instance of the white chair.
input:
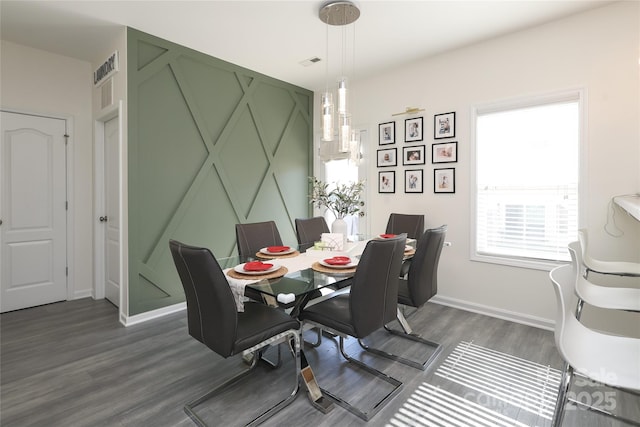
(618, 268)
(600, 296)
(607, 359)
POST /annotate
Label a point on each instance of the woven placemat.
(268, 256)
(273, 275)
(322, 269)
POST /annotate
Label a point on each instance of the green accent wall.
(210, 144)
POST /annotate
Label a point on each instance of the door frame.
(109, 113)
(69, 163)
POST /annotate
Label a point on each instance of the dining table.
(283, 276)
(290, 279)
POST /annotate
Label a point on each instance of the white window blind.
(527, 167)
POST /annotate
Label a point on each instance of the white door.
(111, 219)
(33, 236)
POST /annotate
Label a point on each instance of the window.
(342, 171)
(526, 180)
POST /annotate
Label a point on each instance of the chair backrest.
(575, 250)
(211, 308)
(252, 237)
(373, 298)
(563, 280)
(584, 242)
(309, 231)
(413, 225)
(422, 278)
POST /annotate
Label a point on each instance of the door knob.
(103, 218)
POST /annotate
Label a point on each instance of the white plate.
(350, 265)
(379, 237)
(288, 251)
(240, 269)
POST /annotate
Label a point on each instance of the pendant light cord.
(326, 65)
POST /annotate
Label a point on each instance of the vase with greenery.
(339, 199)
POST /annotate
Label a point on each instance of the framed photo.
(444, 125)
(413, 181)
(387, 133)
(413, 129)
(387, 182)
(445, 152)
(387, 157)
(444, 180)
(413, 155)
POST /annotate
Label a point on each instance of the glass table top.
(304, 282)
(297, 283)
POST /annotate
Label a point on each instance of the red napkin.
(387, 236)
(278, 248)
(338, 260)
(257, 266)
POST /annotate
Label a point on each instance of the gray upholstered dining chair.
(412, 224)
(309, 231)
(213, 321)
(251, 237)
(419, 287)
(370, 304)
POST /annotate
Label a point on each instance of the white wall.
(119, 91)
(36, 81)
(596, 50)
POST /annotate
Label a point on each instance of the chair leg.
(320, 333)
(271, 364)
(601, 411)
(565, 383)
(318, 339)
(397, 385)
(293, 340)
(579, 307)
(408, 334)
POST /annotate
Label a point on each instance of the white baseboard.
(87, 293)
(511, 316)
(153, 314)
(536, 322)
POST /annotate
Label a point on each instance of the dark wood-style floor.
(73, 364)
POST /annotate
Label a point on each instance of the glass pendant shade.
(342, 96)
(354, 147)
(344, 132)
(327, 116)
(340, 13)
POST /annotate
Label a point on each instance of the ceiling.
(275, 37)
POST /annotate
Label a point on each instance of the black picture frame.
(413, 155)
(387, 133)
(444, 152)
(413, 129)
(444, 180)
(386, 182)
(413, 181)
(387, 157)
(444, 125)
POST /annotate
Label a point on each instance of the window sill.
(517, 262)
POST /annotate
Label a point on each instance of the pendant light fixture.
(337, 13)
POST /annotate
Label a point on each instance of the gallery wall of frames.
(412, 152)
